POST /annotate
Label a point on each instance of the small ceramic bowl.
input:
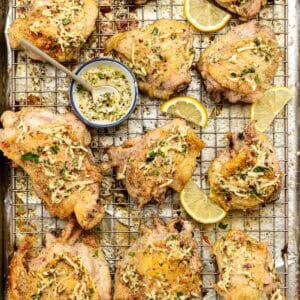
(123, 69)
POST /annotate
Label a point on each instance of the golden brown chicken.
(241, 64)
(246, 267)
(164, 263)
(58, 27)
(246, 9)
(160, 54)
(52, 149)
(246, 174)
(164, 157)
(71, 266)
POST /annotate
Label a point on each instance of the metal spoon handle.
(53, 62)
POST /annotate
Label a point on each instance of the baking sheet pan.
(36, 84)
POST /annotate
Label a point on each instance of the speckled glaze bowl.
(123, 69)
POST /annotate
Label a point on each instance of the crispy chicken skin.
(246, 173)
(245, 9)
(247, 270)
(52, 149)
(164, 157)
(58, 27)
(164, 263)
(71, 266)
(160, 54)
(241, 64)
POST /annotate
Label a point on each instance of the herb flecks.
(155, 31)
(29, 156)
(260, 169)
(54, 149)
(222, 225)
(66, 21)
(150, 157)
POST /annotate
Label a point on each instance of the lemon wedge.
(265, 109)
(199, 206)
(205, 16)
(187, 108)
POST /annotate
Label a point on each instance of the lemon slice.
(265, 109)
(199, 206)
(205, 16)
(187, 108)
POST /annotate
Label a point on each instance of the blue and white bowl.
(107, 62)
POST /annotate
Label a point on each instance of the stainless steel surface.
(37, 84)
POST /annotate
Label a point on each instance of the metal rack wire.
(35, 84)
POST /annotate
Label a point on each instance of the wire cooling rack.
(38, 84)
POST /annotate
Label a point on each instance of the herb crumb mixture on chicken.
(246, 174)
(52, 149)
(58, 27)
(247, 269)
(66, 268)
(164, 157)
(164, 263)
(160, 54)
(241, 64)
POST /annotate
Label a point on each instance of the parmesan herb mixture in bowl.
(108, 109)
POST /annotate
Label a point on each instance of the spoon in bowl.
(95, 92)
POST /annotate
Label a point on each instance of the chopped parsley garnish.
(66, 21)
(260, 169)
(247, 71)
(156, 172)
(234, 75)
(179, 294)
(155, 31)
(36, 296)
(150, 157)
(91, 291)
(256, 78)
(222, 225)
(30, 157)
(132, 254)
(54, 149)
(173, 36)
(96, 253)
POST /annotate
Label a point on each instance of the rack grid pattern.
(37, 84)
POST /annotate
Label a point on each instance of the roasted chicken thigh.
(246, 173)
(160, 54)
(246, 9)
(164, 263)
(52, 149)
(241, 64)
(164, 157)
(71, 266)
(58, 27)
(246, 267)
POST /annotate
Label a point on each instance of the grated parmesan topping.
(62, 14)
(256, 179)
